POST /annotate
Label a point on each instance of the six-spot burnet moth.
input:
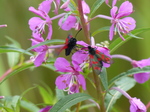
(97, 58)
(70, 43)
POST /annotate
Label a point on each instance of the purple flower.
(2, 97)
(124, 25)
(3, 25)
(37, 25)
(72, 80)
(41, 50)
(66, 23)
(141, 77)
(57, 3)
(45, 109)
(82, 56)
(135, 104)
(113, 2)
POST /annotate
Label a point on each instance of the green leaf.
(14, 42)
(12, 103)
(15, 103)
(118, 42)
(125, 83)
(31, 107)
(5, 49)
(21, 68)
(86, 106)
(53, 41)
(68, 101)
(46, 95)
(24, 66)
(106, 28)
(71, 5)
(130, 72)
(6, 109)
(95, 6)
(103, 77)
(59, 93)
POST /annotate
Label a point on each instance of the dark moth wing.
(96, 59)
(70, 45)
(103, 57)
(96, 64)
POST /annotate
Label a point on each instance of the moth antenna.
(77, 32)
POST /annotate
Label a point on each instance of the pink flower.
(72, 80)
(82, 56)
(41, 50)
(135, 104)
(45, 109)
(124, 25)
(70, 21)
(3, 25)
(141, 77)
(113, 2)
(56, 3)
(37, 25)
(67, 24)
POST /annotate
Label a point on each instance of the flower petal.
(86, 8)
(128, 24)
(45, 6)
(68, 23)
(39, 59)
(111, 32)
(125, 9)
(79, 57)
(137, 105)
(81, 81)
(63, 81)
(37, 12)
(62, 65)
(50, 30)
(34, 22)
(113, 11)
(142, 77)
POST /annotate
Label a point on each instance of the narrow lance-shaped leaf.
(106, 28)
(5, 49)
(130, 72)
(118, 42)
(124, 83)
(103, 77)
(68, 101)
(95, 6)
(53, 41)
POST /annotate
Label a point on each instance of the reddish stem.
(5, 74)
(83, 23)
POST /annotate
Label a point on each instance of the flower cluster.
(86, 55)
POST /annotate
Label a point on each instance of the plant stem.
(78, 106)
(83, 23)
(99, 92)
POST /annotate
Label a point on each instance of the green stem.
(83, 22)
(78, 106)
(99, 92)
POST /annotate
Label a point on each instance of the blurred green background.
(15, 14)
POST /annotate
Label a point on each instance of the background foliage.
(15, 14)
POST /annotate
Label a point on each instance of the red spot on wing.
(91, 56)
(94, 62)
(99, 59)
(97, 68)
